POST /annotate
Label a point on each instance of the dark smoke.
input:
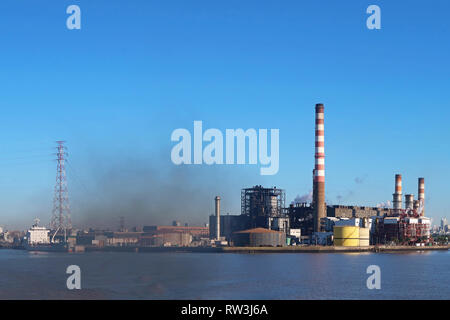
(304, 198)
(153, 192)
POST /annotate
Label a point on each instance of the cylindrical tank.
(259, 237)
(347, 236)
(364, 237)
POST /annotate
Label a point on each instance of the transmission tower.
(61, 211)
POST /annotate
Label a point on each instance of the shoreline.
(253, 250)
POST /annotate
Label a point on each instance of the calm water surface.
(104, 275)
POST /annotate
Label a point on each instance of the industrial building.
(166, 239)
(264, 207)
(193, 230)
(301, 216)
(228, 225)
(260, 208)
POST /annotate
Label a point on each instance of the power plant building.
(262, 205)
(263, 212)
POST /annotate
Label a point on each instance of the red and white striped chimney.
(319, 168)
(421, 193)
(397, 196)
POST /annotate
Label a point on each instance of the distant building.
(443, 223)
(176, 223)
(339, 211)
(123, 238)
(196, 232)
(228, 225)
(177, 239)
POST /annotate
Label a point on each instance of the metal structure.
(61, 221)
(408, 227)
(319, 169)
(260, 204)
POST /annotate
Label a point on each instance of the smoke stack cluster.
(410, 203)
(421, 193)
(217, 217)
(397, 196)
(319, 168)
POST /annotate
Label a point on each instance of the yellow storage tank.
(347, 236)
(364, 237)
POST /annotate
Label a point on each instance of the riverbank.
(288, 249)
(329, 249)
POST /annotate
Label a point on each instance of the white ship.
(38, 239)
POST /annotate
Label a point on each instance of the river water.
(116, 275)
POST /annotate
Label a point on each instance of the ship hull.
(47, 247)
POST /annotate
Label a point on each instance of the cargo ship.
(38, 239)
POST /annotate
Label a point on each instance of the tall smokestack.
(218, 217)
(416, 205)
(397, 196)
(319, 169)
(409, 201)
(421, 193)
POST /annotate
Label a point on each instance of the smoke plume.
(304, 198)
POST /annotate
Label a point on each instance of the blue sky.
(137, 70)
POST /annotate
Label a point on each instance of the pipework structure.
(319, 205)
(260, 204)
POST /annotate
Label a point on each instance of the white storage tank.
(364, 237)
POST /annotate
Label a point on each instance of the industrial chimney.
(397, 196)
(422, 194)
(218, 217)
(416, 205)
(409, 201)
(319, 169)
